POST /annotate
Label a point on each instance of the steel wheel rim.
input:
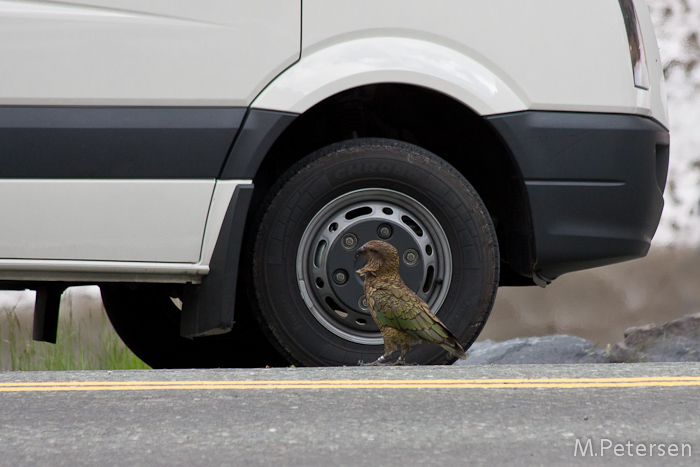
(327, 241)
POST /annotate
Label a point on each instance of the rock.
(550, 349)
(675, 341)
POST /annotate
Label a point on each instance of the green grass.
(82, 344)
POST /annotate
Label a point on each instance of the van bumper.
(594, 184)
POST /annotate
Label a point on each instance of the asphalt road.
(482, 415)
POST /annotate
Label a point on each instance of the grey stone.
(557, 349)
(675, 341)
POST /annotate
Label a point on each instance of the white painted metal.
(114, 220)
(223, 191)
(135, 52)
(389, 60)
(540, 54)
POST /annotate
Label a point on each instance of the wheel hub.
(326, 262)
(341, 261)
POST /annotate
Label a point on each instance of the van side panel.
(132, 52)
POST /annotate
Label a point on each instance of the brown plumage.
(403, 318)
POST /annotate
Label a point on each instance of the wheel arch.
(429, 119)
(333, 67)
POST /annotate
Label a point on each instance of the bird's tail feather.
(454, 347)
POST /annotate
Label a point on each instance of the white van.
(213, 165)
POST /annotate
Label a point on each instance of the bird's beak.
(360, 251)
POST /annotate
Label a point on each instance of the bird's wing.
(398, 307)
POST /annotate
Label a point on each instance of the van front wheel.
(309, 296)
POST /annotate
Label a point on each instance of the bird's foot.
(378, 362)
(402, 361)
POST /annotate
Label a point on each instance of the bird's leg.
(402, 358)
(388, 350)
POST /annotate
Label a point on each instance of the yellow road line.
(367, 381)
(567, 383)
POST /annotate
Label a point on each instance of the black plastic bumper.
(594, 181)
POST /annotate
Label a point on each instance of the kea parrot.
(403, 318)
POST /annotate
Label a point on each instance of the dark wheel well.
(430, 120)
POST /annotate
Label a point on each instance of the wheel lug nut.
(410, 257)
(349, 241)
(340, 276)
(363, 303)
(384, 231)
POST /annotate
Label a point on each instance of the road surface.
(633, 414)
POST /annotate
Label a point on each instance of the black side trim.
(115, 142)
(208, 308)
(594, 182)
(260, 130)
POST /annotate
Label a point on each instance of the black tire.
(148, 322)
(379, 179)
